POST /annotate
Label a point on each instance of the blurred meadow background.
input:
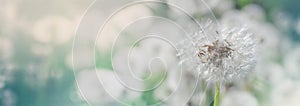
(36, 69)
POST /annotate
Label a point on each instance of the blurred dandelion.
(239, 98)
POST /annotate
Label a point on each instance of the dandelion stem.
(217, 94)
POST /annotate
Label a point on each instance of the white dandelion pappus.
(229, 56)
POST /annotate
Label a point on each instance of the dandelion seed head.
(227, 57)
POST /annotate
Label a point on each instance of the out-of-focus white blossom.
(271, 72)
(155, 57)
(41, 50)
(239, 98)
(9, 15)
(145, 57)
(223, 6)
(286, 93)
(53, 29)
(195, 6)
(2, 81)
(292, 63)
(183, 91)
(282, 20)
(80, 59)
(253, 17)
(255, 12)
(90, 86)
(6, 48)
(8, 98)
(152, 57)
(119, 21)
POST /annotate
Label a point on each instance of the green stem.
(217, 94)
